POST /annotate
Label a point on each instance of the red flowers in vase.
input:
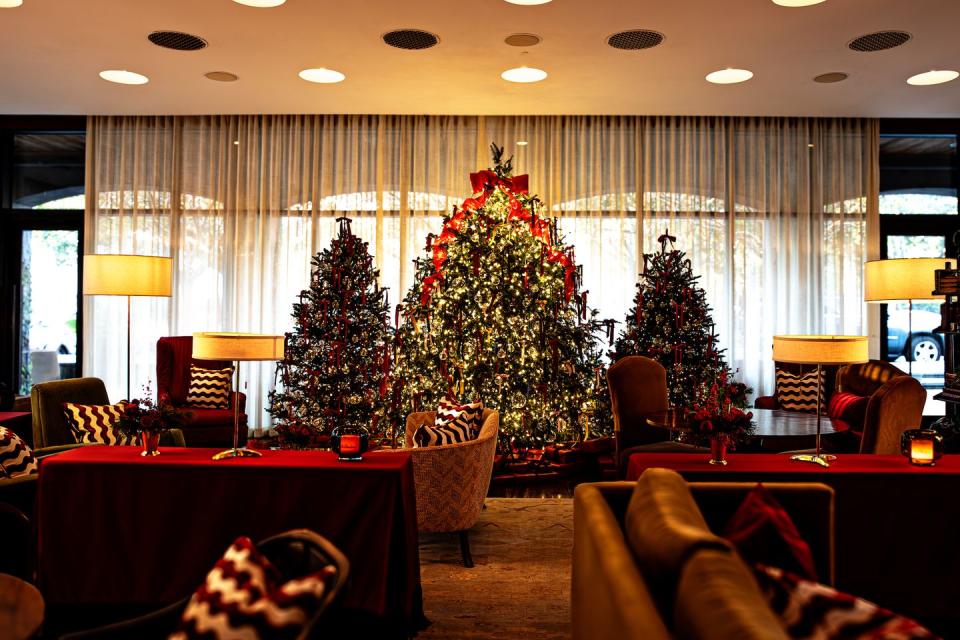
(717, 413)
(147, 416)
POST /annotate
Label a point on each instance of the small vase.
(150, 442)
(718, 451)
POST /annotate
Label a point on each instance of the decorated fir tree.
(335, 370)
(496, 314)
(671, 323)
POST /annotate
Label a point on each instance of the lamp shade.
(237, 346)
(127, 275)
(902, 279)
(820, 349)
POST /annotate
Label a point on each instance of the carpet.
(520, 586)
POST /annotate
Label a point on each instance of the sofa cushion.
(811, 610)
(97, 423)
(210, 388)
(849, 409)
(798, 392)
(16, 457)
(763, 532)
(467, 417)
(244, 596)
(718, 599)
(664, 527)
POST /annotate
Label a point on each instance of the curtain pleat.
(773, 213)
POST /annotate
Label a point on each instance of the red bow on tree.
(488, 180)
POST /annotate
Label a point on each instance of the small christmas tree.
(670, 322)
(495, 314)
(335, 370)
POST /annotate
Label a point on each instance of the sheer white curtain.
(772, 211)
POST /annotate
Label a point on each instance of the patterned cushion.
(431, 435)
(209, 388)
(451, 413)
(243, 596)
(812, 610)
(97, 423)
(16, 458)
(799, 392)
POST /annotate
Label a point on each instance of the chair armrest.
(50, 451)
(158, 624)
(172, 438)
(414, 421)
(893, 408)
(766, 402)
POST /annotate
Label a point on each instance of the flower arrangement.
(147, 416)
(293, 434)
(718, 412)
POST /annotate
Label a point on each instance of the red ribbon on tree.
(488, 181)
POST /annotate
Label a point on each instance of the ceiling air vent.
(411, 39)
(880, 41)
(635, 39)
(522, 39)
(177, 40)
(833, 76)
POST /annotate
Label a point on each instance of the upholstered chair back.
(895, 403)
(638, 387)
(50, 426)
(174, 357)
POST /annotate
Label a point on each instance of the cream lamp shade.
(237, 346)
(127, 275)
(902, 279)
(800, 349)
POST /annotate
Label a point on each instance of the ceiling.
(52, 50)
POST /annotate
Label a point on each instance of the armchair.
(895, 403)
(205, 427)
(451, 481)
(829, 377)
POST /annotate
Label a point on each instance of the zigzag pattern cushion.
(209, 388)
(243, 596)
(811, 610)
(799, 392)
(97, 423)
(16, 458)
(451, 413)
(431, 435)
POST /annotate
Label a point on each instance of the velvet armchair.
(204, 427)
(895, 404)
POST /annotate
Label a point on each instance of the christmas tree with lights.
(671, 323)
(496, 314)
(336, 365)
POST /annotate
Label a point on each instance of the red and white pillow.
(808, 609)
(210, 388)
(16, 457)
(97, 423)
(244, 597)
(454, 423)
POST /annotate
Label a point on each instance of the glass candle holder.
(921, 447)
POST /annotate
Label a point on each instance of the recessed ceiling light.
(830, 78)
(521, 143)
(524, 74)
(932, 77)
(221, 76)
(729, 76)
(261, 3)
(121, 76)
(528, 3)
(322, 76)
(797, 3)
(10, 4)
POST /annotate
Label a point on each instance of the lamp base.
(242, 452)
(821, 459)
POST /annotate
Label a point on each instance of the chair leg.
(465, 548)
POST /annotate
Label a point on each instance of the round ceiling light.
(322, 76)
(797, 3)
(524, 74)
(932, 77)
(121, 76)
(729, 76)
(264, 4)
(10, 4)
(528, 3)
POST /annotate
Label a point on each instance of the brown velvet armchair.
(204, 427)
(895, 403)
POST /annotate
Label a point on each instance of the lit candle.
(921, 451)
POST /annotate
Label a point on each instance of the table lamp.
(819, 350)
(237, 347)
(127, 275)
(902, 280)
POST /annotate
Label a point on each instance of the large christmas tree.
(335, 370)
(670, 322)
(496, 314)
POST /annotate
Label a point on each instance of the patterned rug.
(520, 586)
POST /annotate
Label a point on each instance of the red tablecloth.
(897, 525)
(116, 528)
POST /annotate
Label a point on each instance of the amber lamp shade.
(921, 447)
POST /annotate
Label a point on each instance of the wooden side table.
(21, 609)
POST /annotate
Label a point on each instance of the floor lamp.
(902, 280)
(237, 347)
(819, 350)
(127, 275)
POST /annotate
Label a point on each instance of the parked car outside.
(922, 344)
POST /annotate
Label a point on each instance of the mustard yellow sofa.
(648, 565)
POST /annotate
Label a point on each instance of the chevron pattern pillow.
(97, 423)
(454, 423)
(799, 392)
(209, 388)
(244, 596)
(16, 458)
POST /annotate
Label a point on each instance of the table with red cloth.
(116, 528)
(897, 525)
